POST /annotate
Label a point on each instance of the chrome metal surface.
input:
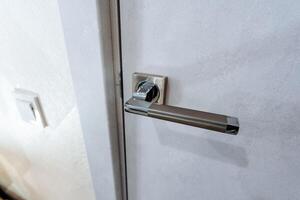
(144, 102)
(210, 121)
(147, 91)
(158, 80)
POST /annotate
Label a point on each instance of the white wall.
(39, 164)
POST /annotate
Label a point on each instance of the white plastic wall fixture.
(30, 108)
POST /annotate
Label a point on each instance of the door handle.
(147, 93)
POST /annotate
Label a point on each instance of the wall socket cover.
(29, 106)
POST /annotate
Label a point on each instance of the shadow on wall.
(13, 168)
(209, 148)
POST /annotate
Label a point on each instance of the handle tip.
(232, 126)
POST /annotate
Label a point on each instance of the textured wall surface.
(240, 58)
(49, 163)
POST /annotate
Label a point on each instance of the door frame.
(115, 17)
(93, 43)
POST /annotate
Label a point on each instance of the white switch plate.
(29, 107)
(26, 110)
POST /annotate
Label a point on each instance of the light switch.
(26, 110)
(29, 107)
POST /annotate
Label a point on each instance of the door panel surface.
(239, 58)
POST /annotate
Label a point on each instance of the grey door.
(240, 58)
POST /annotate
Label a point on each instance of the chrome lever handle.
(210, 121)
(143, 103)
